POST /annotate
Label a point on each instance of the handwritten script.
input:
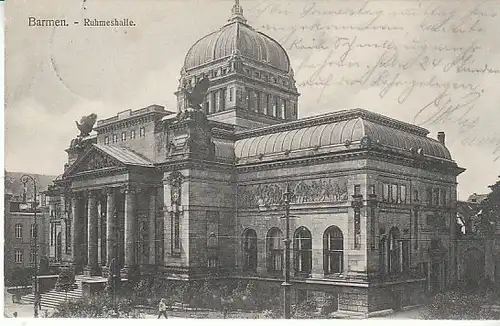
(435, 63)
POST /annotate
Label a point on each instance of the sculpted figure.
(194, 98)
(86, 124)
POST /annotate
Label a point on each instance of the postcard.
(237, 159)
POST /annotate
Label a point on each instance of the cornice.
(128, 122)
(450, 168)
(189, 163)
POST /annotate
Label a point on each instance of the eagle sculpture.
(196, 97)
(86, 124)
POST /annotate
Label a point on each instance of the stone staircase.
(53, 298)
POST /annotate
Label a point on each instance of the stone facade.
(372, 200)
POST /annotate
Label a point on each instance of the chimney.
(441, 137)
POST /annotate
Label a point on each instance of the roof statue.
(86, 124)
(196, 96)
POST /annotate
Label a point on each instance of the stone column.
(152, 227)
(130, 225)
(110, 225)
(75, 228)
(64, 236)
(92, 246)
(211, 103)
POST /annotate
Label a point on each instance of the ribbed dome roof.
(237, 37)
(336, 133)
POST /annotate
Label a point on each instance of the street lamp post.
(24, 179)
(286, 284)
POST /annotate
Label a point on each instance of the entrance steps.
(54, 298)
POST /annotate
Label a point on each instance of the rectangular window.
(416, 196)
(33, 232)
(132, 134)
(268, 104)
(142, 132)
(231, 94)
(124, 136)
(403, 194)
(372, 190)
(443, 197)
(357, 190)
(18, 231)
(429, 196)
(372, 226)
(176, 242)
(115, 138)
(415, 227)
(394, 193)
(106, 140)
(18, 256)
(385, 192)
(213, 263)
(32, 256)
(357, 228)
(436, 197)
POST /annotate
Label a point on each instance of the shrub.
(463, 303)
(99, 306)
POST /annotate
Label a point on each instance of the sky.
(431, 63)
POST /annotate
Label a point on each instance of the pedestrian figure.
(162, 309)
(15, 314)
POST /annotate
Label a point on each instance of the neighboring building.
(19, 223)
(478, 250)
(373, 199)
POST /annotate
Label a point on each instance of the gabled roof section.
(103, 157)
(124, 155)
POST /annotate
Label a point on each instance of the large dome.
(237, 37)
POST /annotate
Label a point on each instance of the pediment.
(93, 160)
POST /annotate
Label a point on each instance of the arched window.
(333, 250)
(18, 231)
(303, 251)
(250, 250)
(275, 246)
(394, 251)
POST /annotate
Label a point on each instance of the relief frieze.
(304, 191)
(96, 161)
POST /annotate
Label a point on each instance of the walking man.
(162, 309)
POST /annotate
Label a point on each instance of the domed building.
(251, 79)
(202, 192)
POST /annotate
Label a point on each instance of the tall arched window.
(250, 250)
(274, 241)
(18, 231)
(303, 250)
(394, 251)
(333, 250)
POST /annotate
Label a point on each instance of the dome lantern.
(237, 13)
